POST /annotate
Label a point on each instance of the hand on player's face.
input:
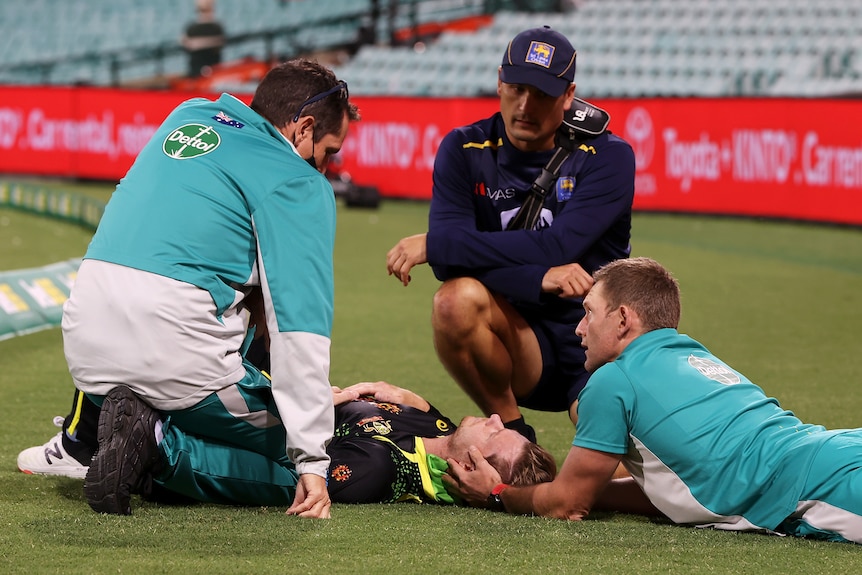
(472, 479)
(497, 444)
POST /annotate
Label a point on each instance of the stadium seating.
(652, 48)
(626, 48)
(57, 41)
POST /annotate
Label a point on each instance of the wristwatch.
(495, 502)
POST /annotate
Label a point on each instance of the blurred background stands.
(440, 48)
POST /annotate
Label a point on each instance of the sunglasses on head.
(340, 88)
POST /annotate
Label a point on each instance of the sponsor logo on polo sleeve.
(191, 141)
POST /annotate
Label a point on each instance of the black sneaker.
(127, 452)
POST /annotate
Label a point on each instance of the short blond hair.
(534, 464)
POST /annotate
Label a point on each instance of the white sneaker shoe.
(51, 459)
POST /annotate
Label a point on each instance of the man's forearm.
(571, 495)
(626, 496)
(544, 500)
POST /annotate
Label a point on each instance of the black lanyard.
(581, 122)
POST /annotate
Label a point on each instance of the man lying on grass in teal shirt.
(704, 445)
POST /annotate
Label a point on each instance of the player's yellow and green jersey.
(378, 455)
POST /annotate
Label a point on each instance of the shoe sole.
(124, 424)
(53, 466)
(76, 473)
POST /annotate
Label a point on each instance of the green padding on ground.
(69, 206)
(32, 299)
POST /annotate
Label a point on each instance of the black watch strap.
(495, 503)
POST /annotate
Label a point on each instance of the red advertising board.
(25, 114)
(394, 145)
(785, 158)
(78, 132)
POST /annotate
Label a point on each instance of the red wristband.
(499, 488)
(495, 502)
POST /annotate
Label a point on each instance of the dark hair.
(288, 85)
(645, 286)
(534, 465)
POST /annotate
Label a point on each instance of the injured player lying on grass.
(389, 445)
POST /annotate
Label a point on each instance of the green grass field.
(780, 302)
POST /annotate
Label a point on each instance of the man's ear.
(630, 325)
(304, 127)
(625, 320)
(299, 131)
(570, 93)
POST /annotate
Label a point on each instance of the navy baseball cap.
(540, 57)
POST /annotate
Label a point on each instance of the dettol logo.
(190, 141)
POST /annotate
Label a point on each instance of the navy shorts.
(563, 374)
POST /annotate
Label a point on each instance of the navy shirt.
(480, 181)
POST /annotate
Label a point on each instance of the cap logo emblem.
(540, 53)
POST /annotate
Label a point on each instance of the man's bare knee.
(458, 302)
